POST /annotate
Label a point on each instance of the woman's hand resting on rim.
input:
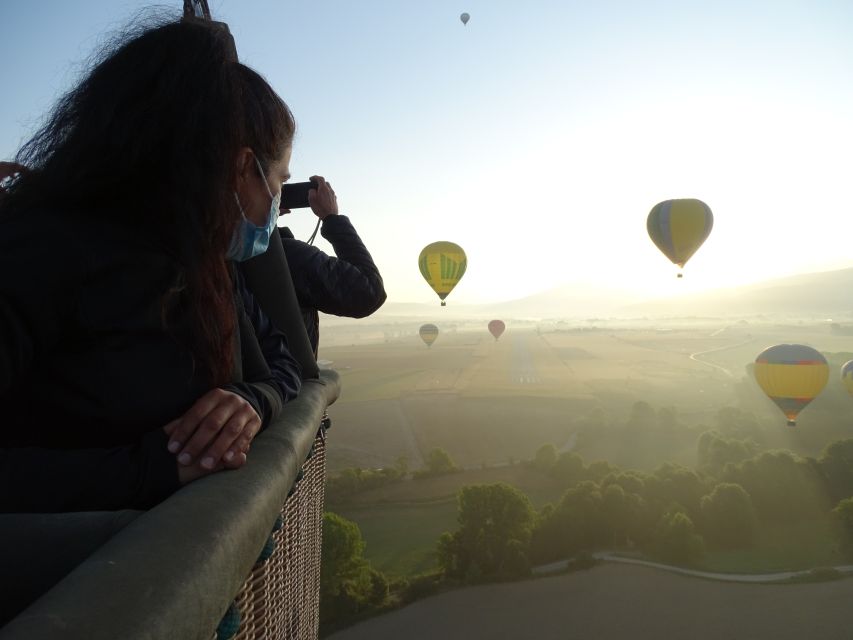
(214, 434)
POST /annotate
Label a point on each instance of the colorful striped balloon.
(679, 227)
(442, 265)
(429, 332)
(847, 376)
(792, 375)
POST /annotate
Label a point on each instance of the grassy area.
(401, 537)
(782, 547)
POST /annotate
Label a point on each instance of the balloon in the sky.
(496, 328)
(442, 265)
(679, 227)
(847, 376)
(429, 332)
(792, 375)
(464, 18)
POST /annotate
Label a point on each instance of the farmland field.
(490, 404)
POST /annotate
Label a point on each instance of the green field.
(490, 404)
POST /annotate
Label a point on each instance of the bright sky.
(537, 137)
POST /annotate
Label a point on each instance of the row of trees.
(353, 480)
(673, 513)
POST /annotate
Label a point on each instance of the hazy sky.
(538, 136)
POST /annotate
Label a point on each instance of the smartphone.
(295, 195)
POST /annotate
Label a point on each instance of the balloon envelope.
(792, 375)
(496, 328)
(847, 376)
(679, 227)
(429, 332)
(442, 265)
(464, 18)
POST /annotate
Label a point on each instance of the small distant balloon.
(679, 227)
(847, 376)
(442, 265)
(428, 332)
(464, 18)
(496, 328)
(792, 375)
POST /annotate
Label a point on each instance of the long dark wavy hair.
(151, 135)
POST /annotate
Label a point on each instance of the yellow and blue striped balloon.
(679, 227)
(428, 333)
(792, 375)
(442, 265)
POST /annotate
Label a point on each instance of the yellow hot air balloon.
(847, 376)
(792, 375)
(428, 332)
(442, 265)
(679, 227)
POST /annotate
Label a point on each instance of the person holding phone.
(348, 284)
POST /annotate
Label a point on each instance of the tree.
(348, 584)
(836, 465)
(568, 469)
(783, 486)
(642, 416)
(843, 513)
(438, 463)
(545, 458)
(495, 522)
(343, 549)
(676, 539)
(728, 517)
(714, 451)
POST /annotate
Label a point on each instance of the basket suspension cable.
(197, 9)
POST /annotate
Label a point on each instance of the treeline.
(353, 480)
(673, 513)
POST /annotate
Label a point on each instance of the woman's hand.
(214, 434)
(323, 200)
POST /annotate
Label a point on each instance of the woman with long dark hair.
(122, 319)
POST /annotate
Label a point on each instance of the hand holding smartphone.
(295, 195)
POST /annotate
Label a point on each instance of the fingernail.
(207, 463)
(185, 458)
(229, 455)
(174, 445)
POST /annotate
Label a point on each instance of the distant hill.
(826, 294)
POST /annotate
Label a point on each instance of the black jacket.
(347, 285)
(88, 374)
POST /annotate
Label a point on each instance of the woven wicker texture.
(280, 599)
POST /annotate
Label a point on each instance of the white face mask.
(249, 239)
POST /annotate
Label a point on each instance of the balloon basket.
(443, 303)
(792, 423)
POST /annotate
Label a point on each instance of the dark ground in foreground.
(619, 601)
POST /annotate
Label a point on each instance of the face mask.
(249, 239)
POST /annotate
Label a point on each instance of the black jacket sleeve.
(347, 285)
(271, 377)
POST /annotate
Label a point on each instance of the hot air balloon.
(496, 328)
(429, 332)
(442, 265)
(847, 376)
(464, 18)
(679, 227)
(792, 375)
